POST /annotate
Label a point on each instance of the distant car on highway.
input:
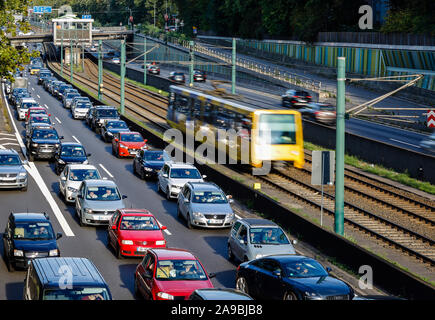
(132, 231)
(320, 112)
(428, 143)
(148, 163)
(176, 76)
(12, 171)
(153, 69)
(35, 120)
(199, 76)
(97, 201)
(127, 144)
(116, 60)
(24, 106)
(43, 143)
(69, 152)
(290, 277)
(170, 274)
(111, 127)
(255, 238)
(72, 176)
(295, 98)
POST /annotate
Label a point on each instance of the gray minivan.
(255, 238)
(61, 278)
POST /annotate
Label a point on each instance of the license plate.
(215, 221)
(45, 150)
(133, 152)
(141, 249)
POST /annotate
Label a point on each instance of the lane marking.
(107, 171)
(45, 106)
(76, 139)
(33, 89)
(410, 144)
(57, 119)
(38, 96)
(1, 147)
(166, 231)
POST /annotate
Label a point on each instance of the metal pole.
(71, 60)
(191, 44)
(233, 69)
(340, 137)
(100, 70)
(61, 56)
(122, 76)
(322, 182)
(145, 61)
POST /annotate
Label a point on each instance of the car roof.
(73, 166)
(136, 212)
(288, 257)
(174, 164)
(202, 186)
(129, 132)
(76, 144)
(83, 271)
(222, 294)
(253, 222)
(173, 253)
(99, 183)
(8, 152)
(27, 216)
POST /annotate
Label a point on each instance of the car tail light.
(309, 97)
(294, 101)
(317, 113)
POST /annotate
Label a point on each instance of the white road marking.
(13, 139)
(7, 134)
(1, 147)
(45, 106)
(238, 217)
(38, 96)
(57, 119)
(166, 230)
(409, 144)
(33, 89)
(76, 139)
(107, 171)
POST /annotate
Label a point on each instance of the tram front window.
(280, 127)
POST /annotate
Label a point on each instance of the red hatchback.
(132, 232)
(170, 274)
(35, 110)
(127, 144)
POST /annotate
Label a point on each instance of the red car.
(170, 274)
(127, 144)
(132, 231)
(35, 110)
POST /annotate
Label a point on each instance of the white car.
(72, 176)
(116, 60)
(174, 175)
(26, 103)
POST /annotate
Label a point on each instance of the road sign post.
(122, 107)
(192, 55)
(430, 118)
(100, 70)
(340, 140)
(145, 61)
(233, 68)
(71, 61)
(322, 172)
(61, 56)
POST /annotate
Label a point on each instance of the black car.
(199, 76)
(153, 69)
(290, 277)
(62, 89)
(28, 236)
(148, 163)
(295, 98)
(42, 75)
(110, 127)
(218, 294)
(43, 143)
(47, 81)
(177, 77)
(101, 114)
(19, 93)
(70, 152)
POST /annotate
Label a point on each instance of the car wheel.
(178, 212)
(8, 261)
(136, 289)
(134, 167)
(142, 174)
(289, 296)
(158, 187)
(230, 253)
(242, 285)
(31, 157)
(189, 223)
(118, 252)
(79, 216)
(24, 188)
(168, 194)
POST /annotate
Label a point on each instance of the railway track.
(149, 108)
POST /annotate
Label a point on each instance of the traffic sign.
(41, 9)
(86, 16)
(431, 118)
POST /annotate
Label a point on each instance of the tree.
(12, 57)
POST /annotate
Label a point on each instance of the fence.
(404, 39)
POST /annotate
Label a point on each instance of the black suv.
(62, 89)
(101, 114)
(28, 236)
(43, 143)
(295, 98)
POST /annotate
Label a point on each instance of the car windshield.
(72, 95)
(36, 111)
(27, 105)
(9, 160)
(326, 108)
(103, 194)
(136, 137)
(83, 105)
(77, 294)
(106, 113)
(156, 156)
(33, 231)
(83, 174)
(306, 268)
(40, 119)
(185, 173)
(268, 236)
(45, 134)
(180, 270)
(301, 94)
(139, 223)
(116, 125)
(72, 151)
(277, 129)
(209, 197)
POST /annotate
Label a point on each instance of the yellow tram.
(260, 134)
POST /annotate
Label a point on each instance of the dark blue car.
(290, 277)
(70, 152)
(28, 236)
(148, 163)
(110, 127)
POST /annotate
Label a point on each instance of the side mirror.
(116, 139)
(294, 241)
(231, 201)
(63, 178)
(328, 269)
(277, 273)
(163, 227)
(61, 138)
(204, 176)
(79, 196)
(165, 175)
(114, 227)
(124, 196)
(186, 200)
(89, 154)
(242, 241)
(211, 275)
(58, 236)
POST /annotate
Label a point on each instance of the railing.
(404, 39)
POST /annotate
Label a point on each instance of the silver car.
(174, 175)
(12, 171)
(204, 204)
(72, 176)
(255, 238)
(97, 201)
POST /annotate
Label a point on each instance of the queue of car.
(268, 259)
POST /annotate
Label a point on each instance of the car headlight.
(230, 216)
(57, 145)
(34, 145)
(198, 215)
(71, 189)
(22, 174)
(311, 295)
(18, 253)
(148, 169)
(53, 253)
(165, 295)
(160, 242)
(109, 133)
(61, 161)
(259, 256)
(87, 210)
(123, 146)
(128, 242)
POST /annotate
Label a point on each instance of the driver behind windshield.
(9, 160)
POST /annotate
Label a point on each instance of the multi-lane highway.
(90, 242)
